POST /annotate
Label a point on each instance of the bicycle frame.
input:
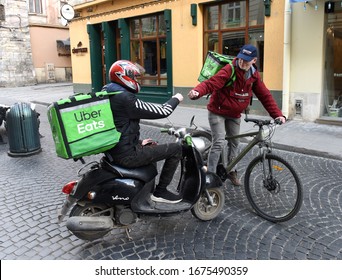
(256, 139)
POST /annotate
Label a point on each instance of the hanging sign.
(67, 12)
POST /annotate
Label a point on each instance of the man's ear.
(255, 60)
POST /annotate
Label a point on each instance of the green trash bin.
(22, 130)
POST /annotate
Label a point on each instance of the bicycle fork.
(269, 181)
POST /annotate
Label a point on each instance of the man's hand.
(178, 96)
(280, 120)
(148, 141)
(193, 94)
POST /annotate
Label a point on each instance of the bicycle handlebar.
(278, 121)
(263, 122)
(258, 121)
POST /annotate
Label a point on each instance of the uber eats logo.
(88, 121)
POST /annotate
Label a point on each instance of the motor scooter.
(109, 196)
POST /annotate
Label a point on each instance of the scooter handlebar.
(164, 130)
(179, 133)
(170, 131)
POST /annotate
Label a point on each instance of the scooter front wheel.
(206, 211)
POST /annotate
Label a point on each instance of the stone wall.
(16, 65)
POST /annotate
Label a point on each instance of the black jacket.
(127, 111)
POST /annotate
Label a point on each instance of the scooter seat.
(144, 173)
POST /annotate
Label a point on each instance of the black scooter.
(109, 196)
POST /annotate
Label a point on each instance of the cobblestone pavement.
(31, 195)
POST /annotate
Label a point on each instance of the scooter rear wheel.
(89, 210)
(202, 209)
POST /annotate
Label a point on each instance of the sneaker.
(163, 195)
(232, 176)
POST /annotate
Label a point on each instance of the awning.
(63, 46)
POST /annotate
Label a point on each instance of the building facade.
(16, 65)
(35, 45)
(299, 45)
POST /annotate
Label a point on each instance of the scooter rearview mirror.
(192, 122)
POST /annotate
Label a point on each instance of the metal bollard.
(22, 130)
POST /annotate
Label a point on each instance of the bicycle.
(272, 186)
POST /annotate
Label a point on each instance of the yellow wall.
(187, 45)
(307, 48)
(273, 48)
(80, 61)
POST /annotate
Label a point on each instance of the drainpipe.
(287, 58)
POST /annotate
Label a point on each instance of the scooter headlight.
(199, 144)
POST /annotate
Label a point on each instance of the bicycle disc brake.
(272, 185)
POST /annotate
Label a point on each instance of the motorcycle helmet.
(125, 73)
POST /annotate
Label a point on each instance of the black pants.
(144, 155)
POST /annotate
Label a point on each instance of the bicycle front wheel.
(273, 188)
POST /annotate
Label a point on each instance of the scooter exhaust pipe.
(89, 228)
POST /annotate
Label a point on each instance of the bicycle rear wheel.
(273, 188)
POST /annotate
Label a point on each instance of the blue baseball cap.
(247, 52)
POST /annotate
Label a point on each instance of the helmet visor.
(140, 68)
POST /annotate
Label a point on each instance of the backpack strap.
(232, 77)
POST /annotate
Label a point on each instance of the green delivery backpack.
(83, 125)
(213, 63)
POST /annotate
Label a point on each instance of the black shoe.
(163, 195)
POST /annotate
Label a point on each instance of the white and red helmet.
(126, 73)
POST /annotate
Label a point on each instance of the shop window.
(148, 48)
(332, 93)
(231, 24)
(35, 6)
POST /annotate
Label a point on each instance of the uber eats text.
(84, 125)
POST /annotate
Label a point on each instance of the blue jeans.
(220, 127)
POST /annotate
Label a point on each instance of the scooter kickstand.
(127, 229)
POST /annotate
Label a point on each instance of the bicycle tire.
(280, 196)
(206, 136)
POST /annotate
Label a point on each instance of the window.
(332, 93)
(2, 13)
(35, 6)
(148, 48)
(231, 24)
